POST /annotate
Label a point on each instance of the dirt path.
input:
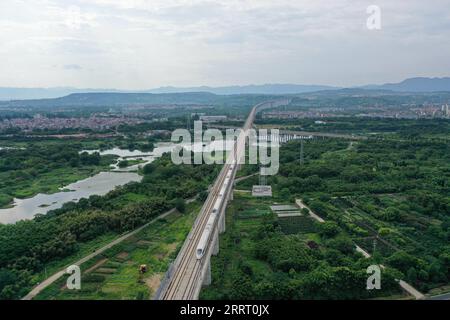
(404, 285)
(44, 284)
(300, 203)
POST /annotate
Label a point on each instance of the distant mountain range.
(415, 85)
(249, 89)
(42, 93)
(92, 99)
(51, 93)
(408, 85)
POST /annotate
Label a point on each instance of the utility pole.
(262, 179)
(188, 122)
(302, 156)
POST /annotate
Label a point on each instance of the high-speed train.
(204, 240)
(206, 235)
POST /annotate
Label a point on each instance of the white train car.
(203, 243)
(206, 235)
(222, 190)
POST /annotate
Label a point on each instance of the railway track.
(187, 271)
(187, 266)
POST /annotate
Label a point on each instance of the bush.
(180, 205)
(123, 164)
(329, 229)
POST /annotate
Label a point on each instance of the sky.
(144, 44)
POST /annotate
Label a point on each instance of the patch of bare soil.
(123, 255)
(153, 282)
(95, 266)
(172, 247)
(144, 242)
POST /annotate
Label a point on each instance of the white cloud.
(142, 44)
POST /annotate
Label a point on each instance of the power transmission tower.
(188, 122)
(262, 179)
(302, 155)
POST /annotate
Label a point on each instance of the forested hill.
(115, 99)
(109, 99)
(419, 84)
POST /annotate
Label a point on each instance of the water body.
(99, 184)
(146, 157)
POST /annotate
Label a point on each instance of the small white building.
(262, 191)
(210, 119)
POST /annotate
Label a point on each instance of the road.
(245, 177)
(44, 284)
(444, 296)
(300, 203)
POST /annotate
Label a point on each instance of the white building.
(213, 118)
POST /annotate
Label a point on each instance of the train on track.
(207, 232)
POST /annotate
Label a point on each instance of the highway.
(186, 279)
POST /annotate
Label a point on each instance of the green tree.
(180, 205)
(329, 229)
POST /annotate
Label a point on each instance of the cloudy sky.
(142, 44)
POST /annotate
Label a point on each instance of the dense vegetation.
(114, 274)
(258, 261)
(393, 192)
(390, 195)
(27, 246)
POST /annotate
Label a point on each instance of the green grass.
(52, 181)
(243, 218)
(118, 277)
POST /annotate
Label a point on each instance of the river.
(99, 184)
